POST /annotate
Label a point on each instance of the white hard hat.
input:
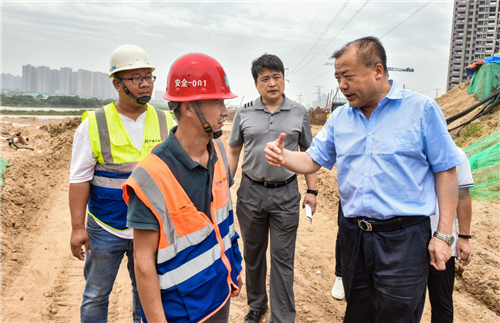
(128, 57)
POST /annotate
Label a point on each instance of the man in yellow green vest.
(107, 146)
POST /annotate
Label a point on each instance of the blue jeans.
(101, 267)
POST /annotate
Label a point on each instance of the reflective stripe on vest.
(117, 158)
(190, 244)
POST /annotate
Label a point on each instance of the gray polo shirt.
(254, 126)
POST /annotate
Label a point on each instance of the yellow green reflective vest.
(117, 158)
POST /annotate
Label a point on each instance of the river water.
(37, 116)
(38, 109)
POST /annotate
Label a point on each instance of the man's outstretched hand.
(274, 151)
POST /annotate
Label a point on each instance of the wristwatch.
(315, 192)
(448, 239)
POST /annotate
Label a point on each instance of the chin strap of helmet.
(142, 100)
(208, 129)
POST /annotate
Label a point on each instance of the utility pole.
(319, 94)
(300, 98)
(437, 92)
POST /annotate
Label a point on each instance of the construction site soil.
(42, 282)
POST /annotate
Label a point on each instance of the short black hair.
(369, 50)
(177, 113)
(175, 107)
(268, 61)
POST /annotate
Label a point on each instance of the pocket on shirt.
(397, 146)
(187, 220)
(397, 142)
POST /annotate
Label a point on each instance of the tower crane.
(394, 69)
(399, 69)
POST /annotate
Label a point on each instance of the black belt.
(367, 224)
(273, 184)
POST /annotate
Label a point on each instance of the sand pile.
(317, 116)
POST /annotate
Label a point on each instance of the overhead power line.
(320, 10)
(348, 22)
(392, 29)
(404, 20)
(302, 87)
(321, 36)
(317, 77)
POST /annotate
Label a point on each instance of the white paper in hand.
(309, 213)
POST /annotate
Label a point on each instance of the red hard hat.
(197, 76)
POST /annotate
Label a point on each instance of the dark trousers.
(385, 273)
(222, 315)
(440, 285)
(269, 216)
(338, 258)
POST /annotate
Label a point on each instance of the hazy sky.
(83, 34)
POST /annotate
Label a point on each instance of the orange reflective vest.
(198, 259)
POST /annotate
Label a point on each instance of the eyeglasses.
(140, 79)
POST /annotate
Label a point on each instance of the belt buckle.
(365, 225)
(269, 184)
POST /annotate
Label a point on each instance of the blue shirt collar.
(395, 93)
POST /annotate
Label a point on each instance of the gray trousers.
(274, 212)
(222, 316)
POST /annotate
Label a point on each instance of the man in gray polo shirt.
(268, 197)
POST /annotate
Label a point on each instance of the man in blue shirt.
(394, 155)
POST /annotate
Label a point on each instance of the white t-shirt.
(465, 180)
(83, 159)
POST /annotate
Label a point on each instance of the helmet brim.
(112, 75)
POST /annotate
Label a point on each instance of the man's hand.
(79, 237)
(240, 285)
(274, 151)
(440, 253)
(464, 251)
(78, 198)
(311, 200)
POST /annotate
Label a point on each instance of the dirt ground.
(42, 282)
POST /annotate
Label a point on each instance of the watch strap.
(448, 239)
(464, 236)
(315, 192)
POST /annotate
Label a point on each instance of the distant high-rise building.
(55, 80)
(66, 81)
(11, 82)
(109, 89)
(96, 85)
(100, 85)
(43, 79)
(84, 87)
(475, 35)
(83, 83)
(74, 83)
(29, 78)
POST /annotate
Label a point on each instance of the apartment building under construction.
(475, 35)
